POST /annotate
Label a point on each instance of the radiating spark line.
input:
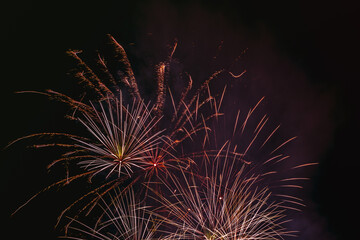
(305, 165)
(254, 138)
(236, 121)
(271, 134)
(282, 159)
(221, 99)
(173, 103)
(281, 145)
(249, 114)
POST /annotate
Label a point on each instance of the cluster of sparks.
(149, 183)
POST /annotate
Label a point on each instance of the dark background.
(314, 46)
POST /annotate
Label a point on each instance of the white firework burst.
(123, 136)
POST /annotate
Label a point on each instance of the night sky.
(302, 55)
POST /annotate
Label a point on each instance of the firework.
(124, 137)
(224, 203)
(129, 143)
(168, 149)
(122, 217)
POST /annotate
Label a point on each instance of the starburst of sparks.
(124, 137)
(123, 217)
(224, 203)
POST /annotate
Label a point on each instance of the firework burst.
(122, 217)
(129, 143)
(124, 138)
(223, 203)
